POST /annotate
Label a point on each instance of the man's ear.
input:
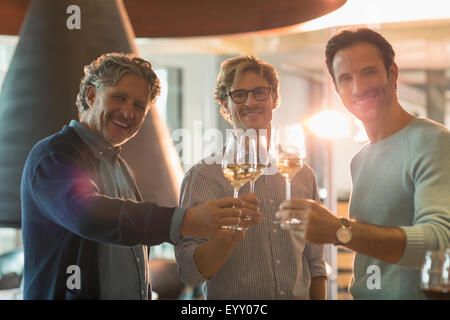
(332, 79)
(225, 111)
(274, 100)
(225, 108)
(90, 95)
(393, 73)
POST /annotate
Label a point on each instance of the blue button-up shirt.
(123, 271)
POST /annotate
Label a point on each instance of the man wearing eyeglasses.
(263, 262)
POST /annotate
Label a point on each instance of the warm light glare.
(361, 136)
(328, 269)
(290, 139)
(376, 12)
(296, 138)
(329, 124)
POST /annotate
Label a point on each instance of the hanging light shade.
(181, 18)
(187, 18)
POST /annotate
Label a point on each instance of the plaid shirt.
(269, 263)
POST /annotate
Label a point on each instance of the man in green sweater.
(400, 203)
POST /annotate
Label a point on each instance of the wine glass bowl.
(238, 165)
(238, 175)
(288, 167)
(434, 276)
(288, 152)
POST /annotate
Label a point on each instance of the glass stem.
(236, 227)
(288, 188)
(236, 193)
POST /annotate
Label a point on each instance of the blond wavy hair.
(231, 71)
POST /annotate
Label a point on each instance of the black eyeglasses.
(241, 95)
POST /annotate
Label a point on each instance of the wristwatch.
(344, 233)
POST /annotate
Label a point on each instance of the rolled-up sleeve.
(430, 167)
(176, 224)
(314, 255)
(432, 233)
(184, 254)
(195, 190)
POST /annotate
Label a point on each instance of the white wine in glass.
(238, 166)
(288, 148)
(288, 167)
(238, 175)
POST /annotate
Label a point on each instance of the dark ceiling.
(181, 18)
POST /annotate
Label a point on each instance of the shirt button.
(138, 260)
(142, 293)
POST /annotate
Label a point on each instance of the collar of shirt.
(98, 146)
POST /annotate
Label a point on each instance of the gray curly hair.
(107, 70)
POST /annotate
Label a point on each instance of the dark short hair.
(108, 69)
(349, 37)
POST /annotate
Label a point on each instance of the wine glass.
(238, 165)
(288, 151)
(434, 276)
(262, 158)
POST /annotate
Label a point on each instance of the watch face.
(344, 235)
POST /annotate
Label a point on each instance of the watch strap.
(345, 223)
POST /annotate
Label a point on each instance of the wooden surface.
(345, 261)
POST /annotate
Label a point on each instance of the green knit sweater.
(402, 181)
